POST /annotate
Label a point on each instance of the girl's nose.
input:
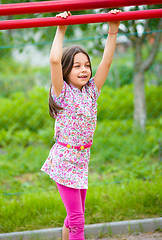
(83, 68)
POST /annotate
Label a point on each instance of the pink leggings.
(74, 202)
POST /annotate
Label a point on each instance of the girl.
(73, 103)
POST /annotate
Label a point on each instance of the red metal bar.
(80, 19)
(68, 5)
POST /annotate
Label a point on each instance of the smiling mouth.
(83, 77)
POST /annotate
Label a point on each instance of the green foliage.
(25, 115)
(16, 77)
(123, 153)
(118, 103)
(27, 108)
(153, 101)
(121, 70)
(3, 51)
(121, 75)
(153, 76)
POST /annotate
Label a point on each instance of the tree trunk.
(139, 101)
(139, 90)
(141, 66)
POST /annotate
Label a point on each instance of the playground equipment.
(71, 5)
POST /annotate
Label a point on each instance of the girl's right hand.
(63, 15)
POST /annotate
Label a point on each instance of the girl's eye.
(76, 66)
(88, 66)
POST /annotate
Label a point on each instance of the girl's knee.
(76, 219)
(66, 222)
(76, 226)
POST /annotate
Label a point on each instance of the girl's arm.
(103, 69)
(56, 55)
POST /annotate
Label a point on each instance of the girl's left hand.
(113, 26)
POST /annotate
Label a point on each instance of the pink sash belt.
(81, 147)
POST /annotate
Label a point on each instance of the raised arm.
(56, 55)
(103, 69)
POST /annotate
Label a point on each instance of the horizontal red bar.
(80, 19)
(68, 5)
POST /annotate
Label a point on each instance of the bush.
(153, 101)
(16, 77)
(24, 117)
(22, 110)
(118, 103)
(116, 141)
(120, 74)
(28, 112)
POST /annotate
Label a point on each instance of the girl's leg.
(83, 196)
(65, 233)
(73, 203)
(65, 230)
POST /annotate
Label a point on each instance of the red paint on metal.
(80, 19)
(68, 5)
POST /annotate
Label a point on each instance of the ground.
(139, 236)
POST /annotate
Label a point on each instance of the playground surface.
(137, 236)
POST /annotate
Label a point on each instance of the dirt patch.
(139, 236)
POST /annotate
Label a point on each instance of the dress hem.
(61, 183)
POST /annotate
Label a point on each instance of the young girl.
(73, 103)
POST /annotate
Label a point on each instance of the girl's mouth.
(83, 77)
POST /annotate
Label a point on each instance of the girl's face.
(80, 72)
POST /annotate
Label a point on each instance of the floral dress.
(74, 125)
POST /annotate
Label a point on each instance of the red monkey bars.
(80, 19)
(55, 6)
(68, 5)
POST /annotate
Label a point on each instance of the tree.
(141, 62)
(141, 65)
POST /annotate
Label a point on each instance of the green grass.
(105, 203)
(125, 179)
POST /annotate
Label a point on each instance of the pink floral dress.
(74, 125)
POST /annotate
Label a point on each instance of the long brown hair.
(67, 64)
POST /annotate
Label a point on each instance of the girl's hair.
(67, 64)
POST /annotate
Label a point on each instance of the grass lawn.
(136, 199)
(125, 181)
